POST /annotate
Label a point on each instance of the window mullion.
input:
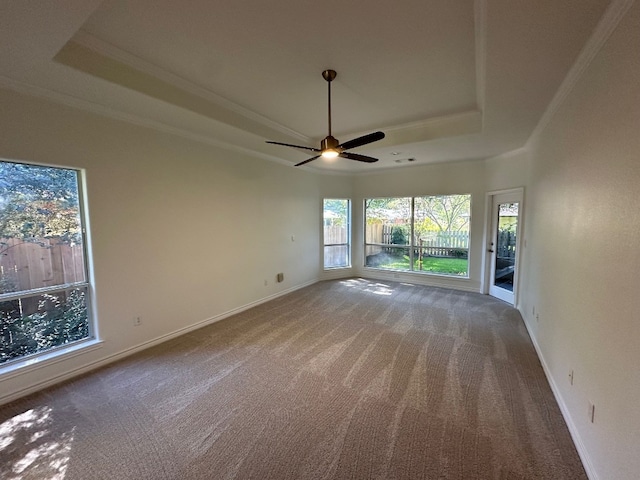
(412, 229)
(6, 297)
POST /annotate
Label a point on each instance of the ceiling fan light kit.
(329, 154)
(330, 147)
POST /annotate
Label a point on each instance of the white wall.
(583, 262)
(181, 231)
(155, 199)
(476, 177)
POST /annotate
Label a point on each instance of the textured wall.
(582, 263)
(181, 231)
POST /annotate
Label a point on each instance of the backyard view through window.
(420, 234)
(336, 215)
(43, 276)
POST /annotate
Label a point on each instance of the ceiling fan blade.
(359, 158)
(329, 145)
(295, 146)
(306, 161)
(358, 142)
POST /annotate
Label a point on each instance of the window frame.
(346, 244)
(71, 348)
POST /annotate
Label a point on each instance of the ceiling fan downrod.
(329, 144)
(329, 76)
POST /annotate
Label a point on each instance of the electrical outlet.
(137, 321)
(570, 377)
(592, 412)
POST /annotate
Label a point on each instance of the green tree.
(337, 206)
(38, 202)
(448, 213)
(382, 210)
(398, 236)
(60, 319)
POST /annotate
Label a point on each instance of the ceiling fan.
(330, 147)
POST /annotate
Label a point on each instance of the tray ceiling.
(446, 81)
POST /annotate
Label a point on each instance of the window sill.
(21, 367)
(417, 273)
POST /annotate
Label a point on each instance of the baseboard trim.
(33, 388)
(573, 430)
(337, 273)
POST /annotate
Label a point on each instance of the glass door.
(503, 246)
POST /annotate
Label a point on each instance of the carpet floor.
(345, 379)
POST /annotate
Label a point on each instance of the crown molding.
(434, 121)
(114, 114)
(102, 47)
(509, 154)
(607, 25)
(102, 110)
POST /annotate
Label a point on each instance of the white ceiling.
(445, 80)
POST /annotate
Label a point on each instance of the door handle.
(490, 251)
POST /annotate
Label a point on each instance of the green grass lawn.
(446, 266)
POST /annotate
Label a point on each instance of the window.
(43, 270)
(336, 214)
(420, 234)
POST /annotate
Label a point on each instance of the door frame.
(488, 236)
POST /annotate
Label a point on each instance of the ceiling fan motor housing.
(329, 143)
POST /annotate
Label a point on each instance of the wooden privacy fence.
(506, 244)
(433, 243)
(335, 234)
(335, 250)
(380, 233)
(444, 244)
(38, 263)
